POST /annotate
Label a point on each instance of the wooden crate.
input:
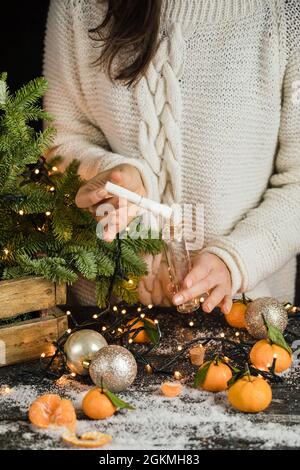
(27, 340)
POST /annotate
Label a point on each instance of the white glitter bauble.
(81, 346)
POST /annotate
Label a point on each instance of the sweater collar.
(192, 12)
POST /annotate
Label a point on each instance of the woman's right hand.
(119, 213)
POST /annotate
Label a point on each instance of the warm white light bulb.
(177, 375)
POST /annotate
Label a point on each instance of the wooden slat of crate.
(30, 294)
(28, 340)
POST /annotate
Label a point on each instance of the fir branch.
(43, 233)
(29, 94)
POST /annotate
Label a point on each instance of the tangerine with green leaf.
(263, 353)
(100, 403)
(96, 405)
(213, 376)
(250, 394)
(142, 336)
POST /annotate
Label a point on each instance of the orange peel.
(171, 389)
(87, 440)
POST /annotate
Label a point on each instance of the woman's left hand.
(208, 275)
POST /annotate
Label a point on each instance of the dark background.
(21, 48)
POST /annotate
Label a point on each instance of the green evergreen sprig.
(43, 232)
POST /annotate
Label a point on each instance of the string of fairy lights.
(123, 329)
(123, 323)
(34, 172)
(123, 326)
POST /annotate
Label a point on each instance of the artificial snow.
(194, 420)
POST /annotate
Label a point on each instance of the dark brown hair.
(131, 27)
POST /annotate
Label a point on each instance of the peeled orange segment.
(87, 440)
(41, 409)
(64, 414)
(170, 389)
(51, 410)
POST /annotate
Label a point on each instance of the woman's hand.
(209, 274)
(118, 213)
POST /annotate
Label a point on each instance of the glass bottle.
(179, 263)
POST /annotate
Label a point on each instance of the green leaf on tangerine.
(201, 374)
(116, 401)
(151, 331)
(277, 337)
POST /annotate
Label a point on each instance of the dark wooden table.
(195, 420)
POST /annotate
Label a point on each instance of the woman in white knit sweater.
(192, 101)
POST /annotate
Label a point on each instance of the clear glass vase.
(179, 263)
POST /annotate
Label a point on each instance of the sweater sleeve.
(269, 235)
(77, 137)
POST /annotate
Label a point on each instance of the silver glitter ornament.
(270, 310)
(115, 366)
(81, 347)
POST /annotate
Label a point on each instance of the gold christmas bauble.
(113, 367)
(261, 310)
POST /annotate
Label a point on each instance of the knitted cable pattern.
(158, 95)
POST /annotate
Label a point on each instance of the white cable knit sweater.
(216, 120)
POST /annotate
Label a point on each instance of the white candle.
(148, 204)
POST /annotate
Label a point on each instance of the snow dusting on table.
(194, 420)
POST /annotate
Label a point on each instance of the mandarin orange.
(262, 355)
(236, 316)
(218, 374)
(50, 409)
(250, 394)
(96, 405)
